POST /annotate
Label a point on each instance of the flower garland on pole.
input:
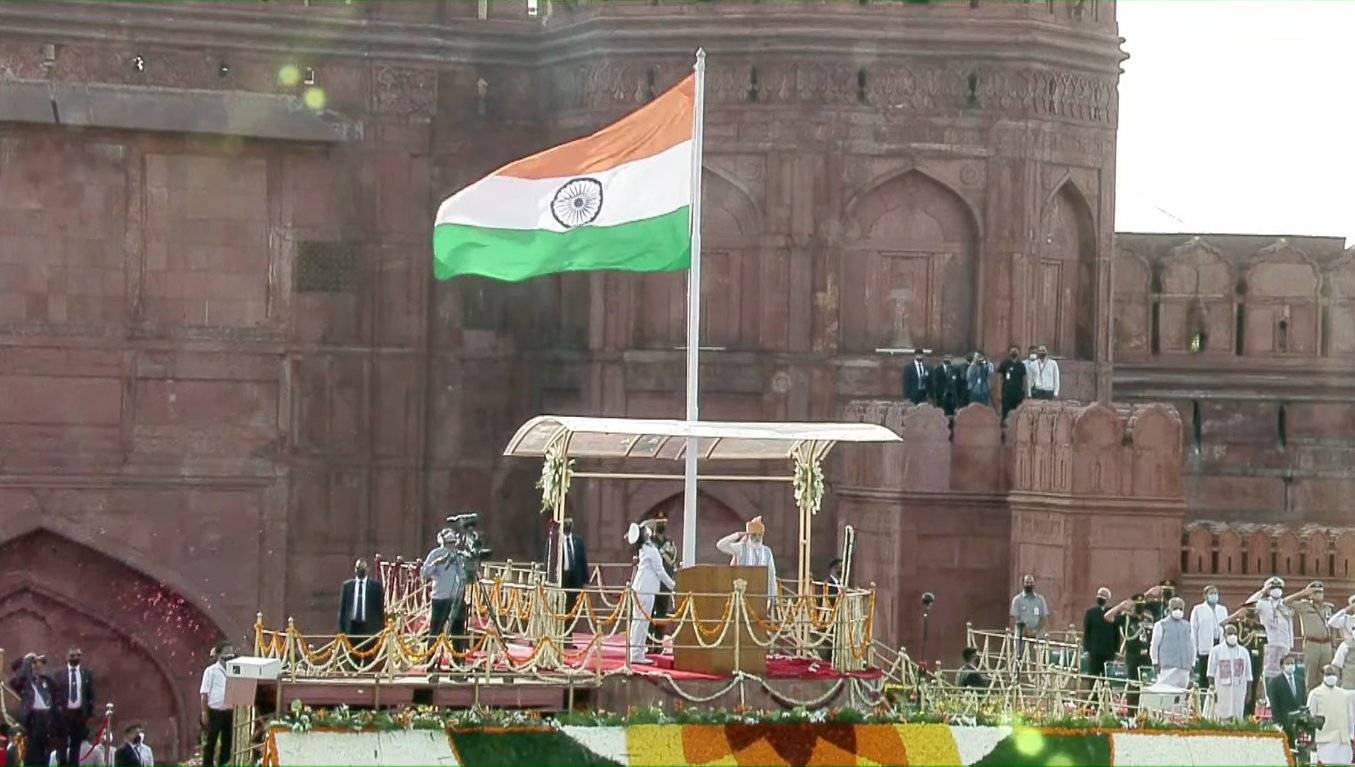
(557, 470)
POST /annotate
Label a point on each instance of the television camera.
(462, 536)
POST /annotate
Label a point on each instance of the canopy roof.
(667, 439)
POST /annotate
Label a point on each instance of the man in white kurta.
(1230, 671)
(1173, 647)
(649, 574)
(746, 549)
(1334, 707)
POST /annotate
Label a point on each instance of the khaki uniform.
(1318, 642)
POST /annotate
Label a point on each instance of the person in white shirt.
(1343, 622)
(746, 549)
(1173, 647)
(1277, 618)
(217, 717)
(1334, 710)
(644, 585)
(1044, 375)
(1206, 624)
(1230, 672)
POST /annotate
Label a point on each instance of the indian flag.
(618, 199)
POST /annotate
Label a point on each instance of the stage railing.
(518, 624)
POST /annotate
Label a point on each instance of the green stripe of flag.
(659, 244)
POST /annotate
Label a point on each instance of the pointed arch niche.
(145, 644)
(908, 274)
(731, 276)
(1065, 276)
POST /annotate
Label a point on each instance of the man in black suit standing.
(943, 391)
(129, 753)
(916, 379)
(575, 575)
(75, 699)
(36, 699)
(362, 605)
(1287, 694)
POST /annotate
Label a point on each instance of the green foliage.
(542, 748)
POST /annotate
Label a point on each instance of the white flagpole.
(693, 319)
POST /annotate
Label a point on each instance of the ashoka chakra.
(577, 203)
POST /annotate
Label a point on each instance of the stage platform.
(597, 679)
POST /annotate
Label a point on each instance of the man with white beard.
(1173, 646)
(1230, 671)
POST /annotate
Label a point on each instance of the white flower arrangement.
(556, 473)
(809, 485)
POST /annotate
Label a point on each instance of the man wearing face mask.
(1277, 617)
(1342, 624)
(75, 693)
(1333, 708)
(1012, 372)
(216, 715)
(1313, 614)
(1286, 693)
(1044, 375)
(445, 566)
(1100, 638)
(1206, 623)
(979, 380)
(1029, 614)
(362, 606)
(943, 386)
(916, 379)
(1172, 649)
(1230, 672)
(133, 752)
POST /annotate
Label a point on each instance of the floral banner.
(738, 744)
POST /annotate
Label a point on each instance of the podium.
(712, 587)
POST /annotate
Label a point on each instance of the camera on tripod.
(465, 538)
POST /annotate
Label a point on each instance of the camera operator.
(445, 566)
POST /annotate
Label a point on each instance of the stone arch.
(909, 273)
(1134, 326)
(1196, 298)
(731, 277)
(1283, 296)
(1156, 443)
(714, 520)
(1065, 275)
(1098, 434)
(1199, 551)
(137, 633)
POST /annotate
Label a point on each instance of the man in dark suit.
(1287, 695)
(1100, 638)
(916, 379)
(362, 605)
(943, 391)
(129, 753)
(36, 699)
(75, 701)
(575, 575)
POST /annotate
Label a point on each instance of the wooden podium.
(717, 581)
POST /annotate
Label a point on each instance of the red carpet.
(611, 656)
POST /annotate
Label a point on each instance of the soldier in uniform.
(1252, 635)
(1313, 613)
(1135, 619)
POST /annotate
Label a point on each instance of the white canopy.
(667, 439)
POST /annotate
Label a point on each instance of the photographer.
(445, 566)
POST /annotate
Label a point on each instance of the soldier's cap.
(1351, 600)
(1330, 669)
(1275, 580)
(1317, 586)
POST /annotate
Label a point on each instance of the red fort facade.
(226, 371)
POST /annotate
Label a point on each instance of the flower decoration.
(809, 485)
(556, 472)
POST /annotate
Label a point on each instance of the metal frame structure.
(559, 440)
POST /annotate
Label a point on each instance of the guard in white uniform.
(746, 549)
(649, 575)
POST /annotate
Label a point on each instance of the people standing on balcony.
(1313, 613)
(1230, 672)
(36, 692)
(1013, 372)
(663, 601)
(979, 379)
(216, 714)
(1172, 648)
(362, 606)
(1343, 623)
(917, 379)
(644, 585)
(1044, 375)
(1100, 638)
(1334, 708)
(445, 566)
(1206, 623)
